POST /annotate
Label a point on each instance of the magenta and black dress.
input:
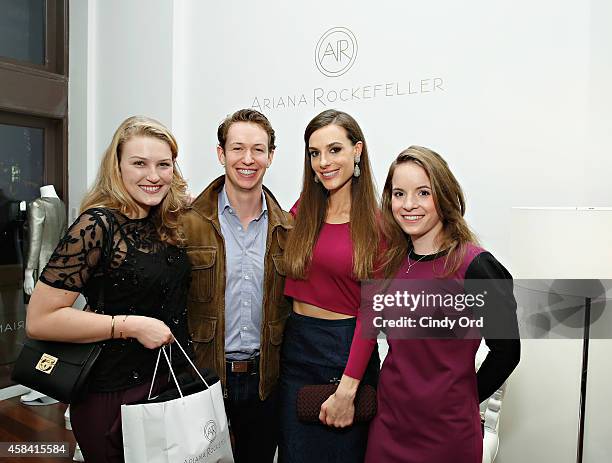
(429, 392)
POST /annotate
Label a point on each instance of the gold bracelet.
(121, 331)
(112, 336)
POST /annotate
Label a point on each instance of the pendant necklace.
(412, 264)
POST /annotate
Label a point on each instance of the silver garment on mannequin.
(47, 224)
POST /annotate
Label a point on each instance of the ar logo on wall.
(336, 51)
(210, 430)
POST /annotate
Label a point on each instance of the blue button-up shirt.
(245, 250)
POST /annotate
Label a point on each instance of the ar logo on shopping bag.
(210, 430)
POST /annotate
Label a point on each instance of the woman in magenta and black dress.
(332, 247)
(429, 391)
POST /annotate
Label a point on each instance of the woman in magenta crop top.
(429, 391)
(333, 245)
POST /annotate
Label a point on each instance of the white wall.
(121, 64)
(519, 119)
(79, 154)
(599, 113)
(523, 112)
(540, 415)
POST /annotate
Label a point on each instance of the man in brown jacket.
(236, 233)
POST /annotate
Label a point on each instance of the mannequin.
(47, 224)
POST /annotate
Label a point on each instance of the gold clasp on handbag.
(46, 363)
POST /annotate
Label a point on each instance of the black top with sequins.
(140, 275)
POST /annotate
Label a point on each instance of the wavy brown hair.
(108, 190)
(450, 205)
(246, 115)
(314, 202)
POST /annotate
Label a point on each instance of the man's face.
(245, 156)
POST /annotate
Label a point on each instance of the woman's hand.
(150, 332)
(189, 198)
(51, 317)
(339, 409)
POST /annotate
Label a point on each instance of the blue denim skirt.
(315, 351)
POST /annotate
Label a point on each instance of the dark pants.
(96, 422)
(253, 422)
(315, 351)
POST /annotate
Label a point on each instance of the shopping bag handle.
(163, 349)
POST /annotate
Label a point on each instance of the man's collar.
(226, 206)
(206, 205)
(224, 203)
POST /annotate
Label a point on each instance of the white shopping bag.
(190, 429)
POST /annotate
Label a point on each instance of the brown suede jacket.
(206, 301)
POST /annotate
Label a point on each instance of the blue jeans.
(253, 422)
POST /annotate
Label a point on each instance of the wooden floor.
(22, 423)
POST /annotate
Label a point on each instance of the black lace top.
(135, 274)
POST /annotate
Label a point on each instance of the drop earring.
(316, 179)
(357, 171)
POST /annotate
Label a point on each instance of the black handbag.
(57, 369)
(60, 369)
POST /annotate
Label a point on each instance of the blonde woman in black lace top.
(123, 254)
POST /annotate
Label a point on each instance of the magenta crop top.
(330, 283)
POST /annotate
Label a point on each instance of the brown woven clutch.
(311, 397)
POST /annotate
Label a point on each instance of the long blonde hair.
(314, 202)
(108, 189)
(450, 205)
